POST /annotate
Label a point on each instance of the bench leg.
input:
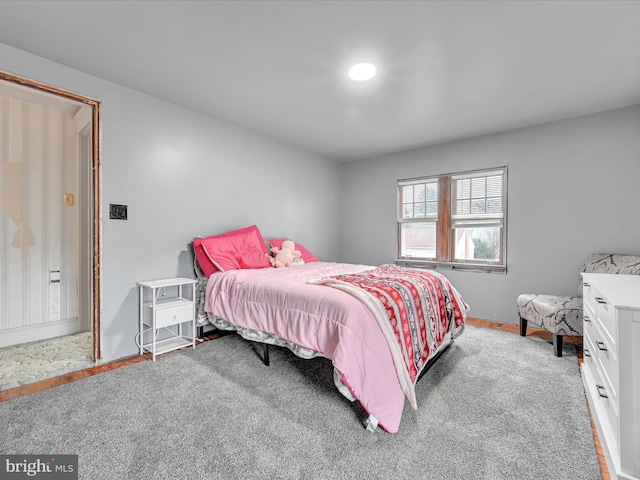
(557, 345)
(523, 327)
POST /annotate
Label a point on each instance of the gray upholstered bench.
(563, 315)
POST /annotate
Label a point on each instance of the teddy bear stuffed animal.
(286, 256)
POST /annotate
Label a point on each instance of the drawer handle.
(587, 319)
(602, 391)
(601, 300)
(587, 353)
(601, 346)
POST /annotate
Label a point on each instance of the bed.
(380, 326)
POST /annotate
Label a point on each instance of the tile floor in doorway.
(32, 362)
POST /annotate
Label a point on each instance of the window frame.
(445, 224)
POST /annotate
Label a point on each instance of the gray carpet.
(495, 406)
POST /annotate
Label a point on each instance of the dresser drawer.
(588, 319)
(608, 413)
(606, 320)
(171, 313)
(590, 356)
(589, 301)
(608, 364)
(605, 409)
(604, 356)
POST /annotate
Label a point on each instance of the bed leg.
(265, 352)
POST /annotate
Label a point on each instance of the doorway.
(50, 213)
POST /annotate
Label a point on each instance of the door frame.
(96, 167)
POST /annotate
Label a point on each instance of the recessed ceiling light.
(362, 71)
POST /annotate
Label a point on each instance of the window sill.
(463, 267)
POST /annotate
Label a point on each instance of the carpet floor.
(494, 406)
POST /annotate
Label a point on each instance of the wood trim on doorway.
(96, 167)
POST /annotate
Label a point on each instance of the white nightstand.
(167, 306)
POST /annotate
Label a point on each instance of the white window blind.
(477, 198)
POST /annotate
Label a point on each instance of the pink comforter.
(326, 320)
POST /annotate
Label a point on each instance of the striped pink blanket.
(415, 309)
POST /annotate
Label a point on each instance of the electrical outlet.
(117, 212)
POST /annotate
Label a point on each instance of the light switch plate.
(117, 212)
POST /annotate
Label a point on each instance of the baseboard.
(33, 333)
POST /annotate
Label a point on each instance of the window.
(455, 219)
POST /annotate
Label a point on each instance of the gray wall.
(573, 190)
(184, 174)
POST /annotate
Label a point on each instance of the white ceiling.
(446, 70)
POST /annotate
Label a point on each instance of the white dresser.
(611, 368)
